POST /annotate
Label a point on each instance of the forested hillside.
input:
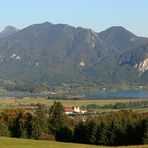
(58, 54)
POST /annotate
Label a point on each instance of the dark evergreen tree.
(145, 131)
(80, 133)
(112, 134)
(26, 125)
(39, 122)
(13, 120)
(120, 133)
(64, 134)
(102, 135)
(57, 118)
(91, 129)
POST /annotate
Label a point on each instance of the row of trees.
(132, 104)
(116, 128)
(41, 123)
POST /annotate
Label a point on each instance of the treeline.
(27, 88)
(132, 104)
(115, 128)
(41, 123)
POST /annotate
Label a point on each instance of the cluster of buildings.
(72, 110)
(67, 110)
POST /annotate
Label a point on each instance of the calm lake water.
(118, 95)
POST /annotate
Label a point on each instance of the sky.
(95, 14)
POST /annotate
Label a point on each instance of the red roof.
(68, 109)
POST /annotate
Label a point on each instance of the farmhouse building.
(71, 110)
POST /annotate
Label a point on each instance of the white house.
(70, 110)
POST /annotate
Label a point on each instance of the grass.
(64, 102)
(25, 143)
(6, 103)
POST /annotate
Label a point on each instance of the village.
(73, 110)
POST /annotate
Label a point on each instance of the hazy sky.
(95, 14)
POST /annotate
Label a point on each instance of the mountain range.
(61, 54)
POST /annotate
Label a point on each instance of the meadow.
(66, 103)
(24, 143)
(10, 103)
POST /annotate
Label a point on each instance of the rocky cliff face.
(143, 66)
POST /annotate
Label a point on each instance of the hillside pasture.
(24, 143)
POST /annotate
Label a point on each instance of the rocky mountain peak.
(8, 30)
(119, 37)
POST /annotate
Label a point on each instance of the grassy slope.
(23, 143)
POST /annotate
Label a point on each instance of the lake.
(136, 94)
(106, 95)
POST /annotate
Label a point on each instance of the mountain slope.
(9, 30)
(121, 38)
(56, 54)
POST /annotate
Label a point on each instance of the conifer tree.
(102, 135)
(64, 134)
(57, 118)
(91, 129)
(80, 133)
(39, 122)
(145, 135)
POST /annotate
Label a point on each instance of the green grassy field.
(24, 143)
(64, 102)
(7, 103)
